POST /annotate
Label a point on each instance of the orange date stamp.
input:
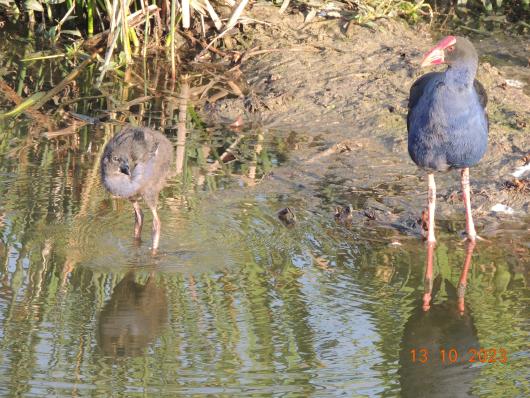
(452, 355)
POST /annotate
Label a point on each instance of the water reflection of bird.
(447, 122)
(133, 317)
(445, 327)
(134, 165)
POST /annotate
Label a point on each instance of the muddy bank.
(340, 94)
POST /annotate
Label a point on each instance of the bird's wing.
(138, 135)
(141, 144)
(481, 92)
(416, 91)
(147, 138)
(482, 98)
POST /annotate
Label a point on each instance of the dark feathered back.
(416, 91)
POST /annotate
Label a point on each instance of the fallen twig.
(343, 146)
(72, 129)
(203, 44)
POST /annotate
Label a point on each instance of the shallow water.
(236, 303)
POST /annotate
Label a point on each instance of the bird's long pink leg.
(466, 196)
(427, 282)
(431, 198)
(462, 283)
(138, 219)
(156, 228)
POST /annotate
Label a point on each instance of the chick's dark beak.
(124, 168)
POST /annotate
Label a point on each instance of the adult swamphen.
(447, 121)
(134, 165)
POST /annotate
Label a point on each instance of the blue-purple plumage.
(447, 121)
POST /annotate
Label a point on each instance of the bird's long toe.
(466, 237)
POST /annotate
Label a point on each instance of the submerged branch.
(71, 129)
(217, 164)
(11, 95)
(67, 80)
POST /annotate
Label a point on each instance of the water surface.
(236, 303)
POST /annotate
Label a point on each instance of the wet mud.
(340, 95)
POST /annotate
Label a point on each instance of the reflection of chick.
(132, 318)
(135, 164)
(442, 327)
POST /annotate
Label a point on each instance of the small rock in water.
(287, 217)
(344, 214)
(370, 214)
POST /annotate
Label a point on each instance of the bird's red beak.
(436, 55)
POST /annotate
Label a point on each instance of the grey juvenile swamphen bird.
(135, 164)
(447, 121)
